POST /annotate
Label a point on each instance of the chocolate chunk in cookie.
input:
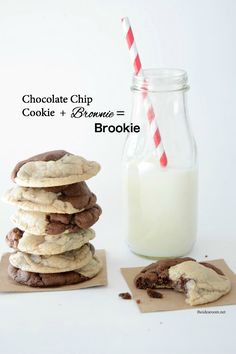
(13, 237)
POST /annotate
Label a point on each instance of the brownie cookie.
(67, 199)
(53, 168)
(48, 245)
(201, 282)
(56, 279)
(39, 223)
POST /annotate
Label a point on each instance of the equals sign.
(120, 113)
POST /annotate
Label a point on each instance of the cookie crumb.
(138, 301)
(125, 296)
(155, 294)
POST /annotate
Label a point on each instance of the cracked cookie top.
(66, 199)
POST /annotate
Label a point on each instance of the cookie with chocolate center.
(44, 280)
(200, 281)
(39, 223)
(48, 245)
(67, 199)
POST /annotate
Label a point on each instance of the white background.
(67, 47)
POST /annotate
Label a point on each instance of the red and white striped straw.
(147, 103)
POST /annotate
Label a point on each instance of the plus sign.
(62, 113)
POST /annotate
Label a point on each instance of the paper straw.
(156, 136)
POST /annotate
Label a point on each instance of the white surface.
(67, 47)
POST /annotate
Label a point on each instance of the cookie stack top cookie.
(53, 168)
(56, 211)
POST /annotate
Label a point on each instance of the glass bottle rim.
(160, 80)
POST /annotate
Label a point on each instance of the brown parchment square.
(173, 300)
(8, 285)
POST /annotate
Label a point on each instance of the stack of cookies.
(53, 223)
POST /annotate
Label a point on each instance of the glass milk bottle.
(160, 202)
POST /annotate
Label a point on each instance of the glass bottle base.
(160, 257)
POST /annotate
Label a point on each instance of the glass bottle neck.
(160, 80)
(171, 116)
